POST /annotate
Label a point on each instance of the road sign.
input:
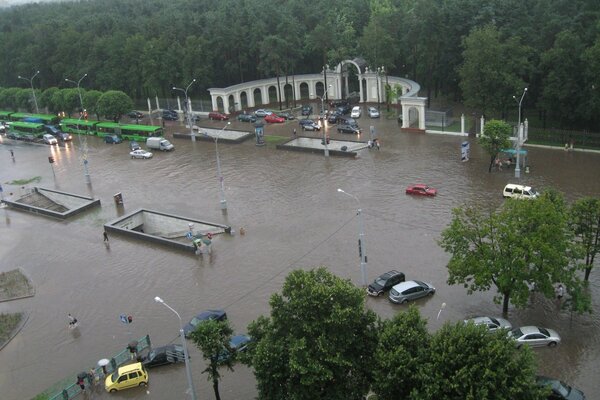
(189, 235)
(123, 318)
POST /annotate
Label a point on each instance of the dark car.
(218, 315)
(348, 129)
(113, 139)
(286, 115)
(246, 118)
(170, 354)
(133, 145)
(333, 116)
(307, 109)
(559, 390)
(135, 115)
(345, 109)
(385, 282)
(343, 120)
(305, 122)
(312, 126)
(337, 103)
(170, 115)
(237, 344)
(57, 133)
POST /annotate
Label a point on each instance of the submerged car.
(272, 118)
(135, 114)
(237, 344)
(385, 282)
(410, 290)
(49, 139)
(559, 390)
(288, 116)
(355, 112)
(133, 145)
(262, 113)
(164, 355)
(125, 377)
(217, 116)
(348, 129)
(421, 189)
(535, 336)
(139, 153)
(492, 323)
(373, 112)
(218, 315)
(307, 109)
(246, 118)
(311, 126)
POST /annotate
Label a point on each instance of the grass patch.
(25, 181)
(14, 284)
(8, 323)
(274, 139)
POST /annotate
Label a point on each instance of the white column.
(157, 105)
(214, 102)
(462, 124)
(482, 124)
(360, 88)
(405, 116)
(225, 104)
(422, 117)
(264, 95)
(178, 104)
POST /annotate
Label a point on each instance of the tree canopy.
(318, 341)
(494, 138)
(522, 245)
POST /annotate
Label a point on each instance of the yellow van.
(126, 377)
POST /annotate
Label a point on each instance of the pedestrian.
(560, 292)
(12, 155)
(72, 321)
(80, 382)
(294, 132)
(370, 144)
(105, 236)
(376, 143)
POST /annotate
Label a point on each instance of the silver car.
(535, 336)
(410, 290)
(492, 323)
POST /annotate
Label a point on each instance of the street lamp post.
(30, 80)
(82, 146)
(519, 136)
(188, 105)
(220, 176)
(323, 124)
(185, 351)
(361, 239)
(378, 96)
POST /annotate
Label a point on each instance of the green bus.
(78, 126)
(140, 132)
(25, 130)
(46, 119)
(108, 128)
(5, 115)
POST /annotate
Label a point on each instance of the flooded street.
(288, 204)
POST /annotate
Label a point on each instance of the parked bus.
(108, 128)
(46, 119)
(78, 126)
(25, 130)
(5, 115)
(140, 132)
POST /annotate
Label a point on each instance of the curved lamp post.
(81, 110)
(188, 107)
(30, 80)
(185, 352)
(519, 136)
(361, 239)
(220, 176)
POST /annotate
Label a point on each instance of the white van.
(159, 143)
(519, 192)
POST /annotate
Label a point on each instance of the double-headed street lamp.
(220, 176)
(81, 113)
(188, 107)
(30, 80)
(185, 351)
(361, 239)
(519, 136)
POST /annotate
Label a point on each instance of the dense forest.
(480, 52)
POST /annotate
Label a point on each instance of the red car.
(218, 116)
(421, 189)
(274, 119)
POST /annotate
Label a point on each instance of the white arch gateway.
(298, 88)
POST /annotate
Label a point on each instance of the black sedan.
(164, 355)
(246, 118)
(385, 282)
(305, 122)
(135, 115)
(333, 117)
(348, 129)
(307, 109)
(286, 115)
(219, 315)
(313, 126)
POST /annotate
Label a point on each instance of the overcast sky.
(6, 3)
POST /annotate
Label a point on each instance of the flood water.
(288, 204)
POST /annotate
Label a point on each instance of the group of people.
(72, 321)
(498, 163)
(373, 143)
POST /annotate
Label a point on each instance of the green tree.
(45, 99)
(24, 99)
(467, 362)
(71, 100)
(211, 337)
(494, 138)
(493, 70)
(400, 357)
(585, 217)
(524, 244)
(90, 102)
(318, 342)
(8, 98)
(113, 104)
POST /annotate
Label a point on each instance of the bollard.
(118, 199)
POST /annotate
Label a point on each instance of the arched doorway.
(243, 100)
(304, 92)
(257, 97)
(220, 105)
(272, 94)
(288, 94)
